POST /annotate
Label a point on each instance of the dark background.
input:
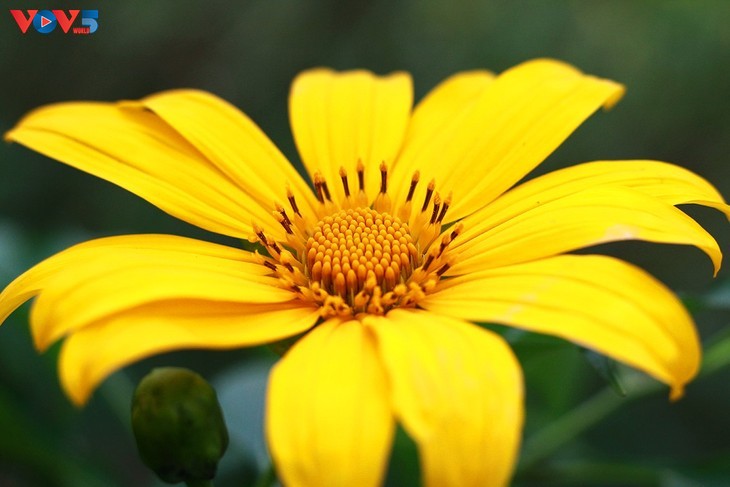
(673, 56)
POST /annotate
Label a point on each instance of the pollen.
(362, 255)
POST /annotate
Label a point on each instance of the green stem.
(586, 415)
(543, 443)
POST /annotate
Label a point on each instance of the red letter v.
(63, 21)
(20, 19)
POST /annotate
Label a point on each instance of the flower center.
(360, 258)
(358, 245)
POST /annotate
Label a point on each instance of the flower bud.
(178, 425)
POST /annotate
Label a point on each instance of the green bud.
(178, 424)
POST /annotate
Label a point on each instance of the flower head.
(415, 226)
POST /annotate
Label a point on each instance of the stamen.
(361, 175)
(404, 212)
(414, 183)
(273, 249)
(326, 190)
(429, 259)
(292, 201)
(272, 245)
(443, 269)
(318, 187)
(445, 241)
(447, 203)
(259, 233)
(457, 231)
(382, 201)
(286, 260)
(282, 211)
(429, 192)
(343, 176)
(436, 205)
(290, 284)
(283, 220)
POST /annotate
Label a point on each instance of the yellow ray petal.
(451, 101)
(89, 355)
(234, 143)
(96, 279)
(328, 419)
(668, 182)
(136, 150)
(340, 118)
(537, 227)
(457, 389)
(599, 302)
(501, 135)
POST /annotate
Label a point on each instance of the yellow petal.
(328, 419)
(668, 182)
(598, 302)
(138, 151)
(339, 119)
(551, 223)
(457, 390)
(234, 143)
(97, 279)
(446, 106)
(489, 142)
(90, 354)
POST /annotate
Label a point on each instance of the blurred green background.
(674, 57)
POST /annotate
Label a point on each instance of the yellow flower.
(413, 229)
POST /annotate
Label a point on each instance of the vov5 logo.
(45, 21)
